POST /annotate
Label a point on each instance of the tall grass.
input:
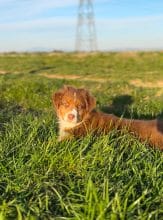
(113, 176)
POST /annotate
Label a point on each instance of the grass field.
(108, 177)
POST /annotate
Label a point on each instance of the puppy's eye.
(80, 107)
(65, 104)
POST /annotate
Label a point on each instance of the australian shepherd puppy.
(77, 117)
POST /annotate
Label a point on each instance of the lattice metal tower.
(86, 39)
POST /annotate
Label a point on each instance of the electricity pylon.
(86, 39)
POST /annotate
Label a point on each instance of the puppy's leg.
(64, 135)
(77, 131)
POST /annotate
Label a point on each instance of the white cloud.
(21, 26)
(19, 10)
(61, 22)
(57, 22)
(23, 8)
(130, 21)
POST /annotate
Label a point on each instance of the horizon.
(39, 26)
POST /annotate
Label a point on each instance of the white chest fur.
(65, 125)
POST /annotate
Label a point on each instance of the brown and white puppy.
(77, 116)
(72, 106)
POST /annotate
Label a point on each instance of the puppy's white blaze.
(74, 96)
(65, 123)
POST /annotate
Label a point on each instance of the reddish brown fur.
(98, 122)
(62, 101)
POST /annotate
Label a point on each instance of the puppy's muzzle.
(70, 116)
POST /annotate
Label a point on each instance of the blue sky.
(51, 24)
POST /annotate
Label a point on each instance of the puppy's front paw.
(64, 137)
(60, 139)
(69, 130)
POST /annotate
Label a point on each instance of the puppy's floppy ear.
(68, 88)
(56, 99)
(90, 100)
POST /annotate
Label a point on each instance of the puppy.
(77, 116)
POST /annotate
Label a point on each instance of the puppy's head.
(73, 105)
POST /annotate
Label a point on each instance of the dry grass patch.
(140, 83)
(152, 85)
(73, 77)
(2, 72)
(130, 54)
